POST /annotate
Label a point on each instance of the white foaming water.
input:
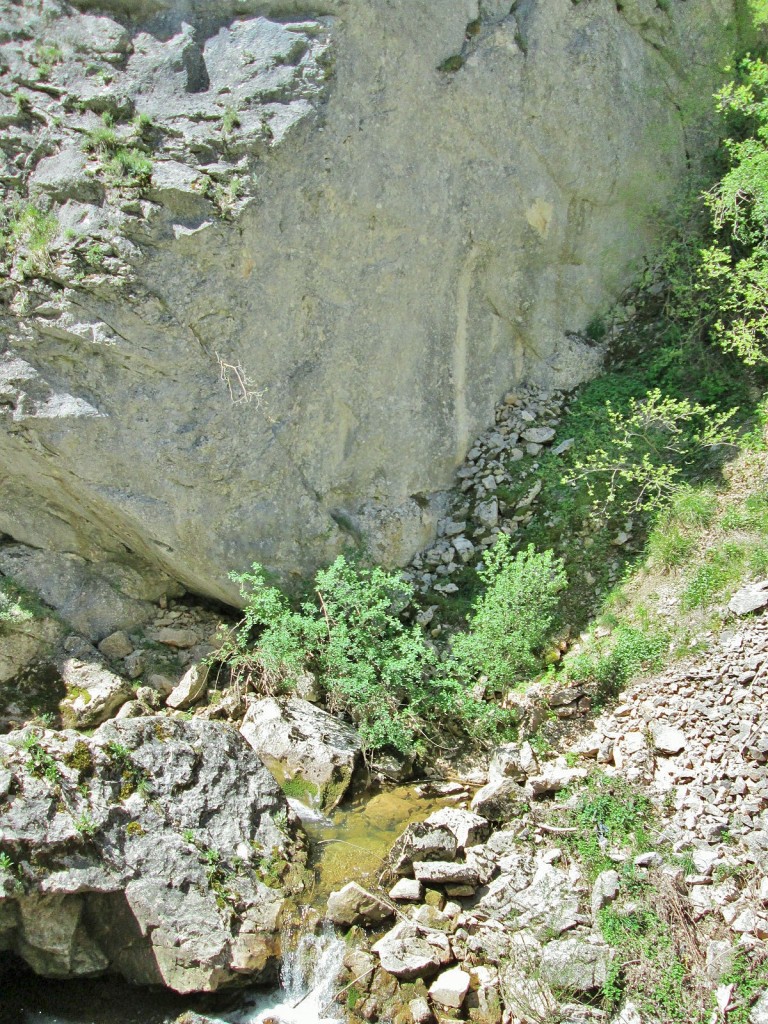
(307, 986)
(307, 813)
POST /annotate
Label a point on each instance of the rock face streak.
(365, 221)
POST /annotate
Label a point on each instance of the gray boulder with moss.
(311, 752)
(158, 849)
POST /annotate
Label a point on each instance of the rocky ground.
(497, 912)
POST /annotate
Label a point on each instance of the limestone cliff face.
(366, 219)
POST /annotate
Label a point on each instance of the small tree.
(510, 622)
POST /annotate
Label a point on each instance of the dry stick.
(558, 831)
(341, 991)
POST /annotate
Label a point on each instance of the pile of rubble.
(499, 462)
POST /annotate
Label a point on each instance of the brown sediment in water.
(353, 846)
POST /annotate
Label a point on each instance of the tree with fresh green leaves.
(512, 618)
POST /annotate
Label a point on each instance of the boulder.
(577, 964)
(94, 693)
(353, 905)
(500, 800)
(192, 686)
(750, 598)
(423, 841)
(604, 890)
(407, 890)
(116, 645)
(450, 987)
(159, 860)
(668, 740)
(407, 953)
(468, 828)
(303, 745)
(94, 598)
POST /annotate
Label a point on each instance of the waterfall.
(307, 985)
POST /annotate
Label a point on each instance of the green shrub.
(512, 619)
(749, 976)
(102, 140)
(649, 448)
(350, 633)
(129, 167)
(608, 812)
(610, 668)
(40, 763)
(721, 569)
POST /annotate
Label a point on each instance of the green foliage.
(27, 235)
(6, 862)
(511, 620)
(102, 140)
(95, 254)
(452, 64)
(749, 976)
(46, 57)
(85, 825)
(129, 167)
(650, 447)
(610, 666)
(229, 121)
(640, 936)
(40, 762)
(676, 532)
(608, 812)
(723, 568)
(15, 604)
(124, 159)
(729, 282)
(350, 633)
(80, 759)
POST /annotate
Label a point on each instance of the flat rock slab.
(436, 872)
(407, 954)
(190, 688)
(353, 905)
(298, 741)
(749, 599)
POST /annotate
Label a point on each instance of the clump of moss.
(452, 64)
(134, 828)
(80, 759)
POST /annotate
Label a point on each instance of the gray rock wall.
(365, 221)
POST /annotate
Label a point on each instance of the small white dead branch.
(241, 387)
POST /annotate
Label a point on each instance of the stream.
(348, 845)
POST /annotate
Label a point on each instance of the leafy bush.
(608, 669)
(129, 167)
(512, 619)
(350, 633)
(649, 448)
